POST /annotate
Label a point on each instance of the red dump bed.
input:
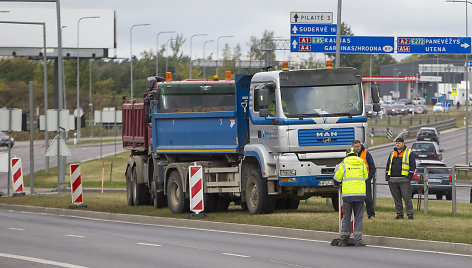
(135, 136)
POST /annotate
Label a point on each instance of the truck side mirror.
(376, 107)
(374, 92)
(262, 100)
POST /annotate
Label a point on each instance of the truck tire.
(159, 200)
(141, 191)
(439, 196)
(292, 203)
(175, 194)
(335, 201)
(210, 202)
(281, 203)
(257, 198)
(129, 187)
(449, 196)
(223, 203)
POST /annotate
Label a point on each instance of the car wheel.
(449, 196)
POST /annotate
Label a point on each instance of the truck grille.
(321, 137)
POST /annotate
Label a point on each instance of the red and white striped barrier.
(76, 184)
(16, 175)
(196, 188)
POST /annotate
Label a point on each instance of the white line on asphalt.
(151, 245)
(285, 263)
(77, 236)
(422, 251)
(36, 260)
(235, 255)
(16, 229)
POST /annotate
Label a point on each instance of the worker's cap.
(399, 139)
(351, 151)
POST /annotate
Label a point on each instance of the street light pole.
(190, 72)
(157, 50)
(217, 47)
(90, 97)
(78, 73)
(204, 44)
(338, 36)
(167, 52)
(131, 53)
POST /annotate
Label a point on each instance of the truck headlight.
(288, 172)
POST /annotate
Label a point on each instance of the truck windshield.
(325, 101)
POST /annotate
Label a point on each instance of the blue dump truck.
(265, 141)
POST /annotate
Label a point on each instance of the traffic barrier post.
(76, 187)
(196, 191)
(17, 176)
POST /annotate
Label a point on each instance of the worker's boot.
(342, 243)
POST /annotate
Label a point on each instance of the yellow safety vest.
(353, 173)
(405, 161)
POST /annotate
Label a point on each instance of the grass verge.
(438, 225)
(91, 173)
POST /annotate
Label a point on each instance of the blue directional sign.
(312, 29)
(433, 45)
(469, 63)
(349, 44)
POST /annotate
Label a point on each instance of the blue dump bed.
(200, 117)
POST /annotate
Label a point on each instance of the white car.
(440, 109)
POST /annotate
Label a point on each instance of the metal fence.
(426, 186)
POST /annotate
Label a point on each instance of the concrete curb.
(403, 243)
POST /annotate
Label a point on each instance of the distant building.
(438, 78)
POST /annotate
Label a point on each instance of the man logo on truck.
(327, 140)
(327, 134)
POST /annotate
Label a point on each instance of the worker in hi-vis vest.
(352, 173)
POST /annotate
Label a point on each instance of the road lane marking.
(150, 245)
(43, 261)
(234, 255)
(16, 229)
(76, 236)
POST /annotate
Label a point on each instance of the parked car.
(421, 109)
(438, 174)
(4, 139)
(404, 101)
(427, 134)
(410, 108)
(438, 108)
(419, 101)
(387, 108)
(399, 109)
(427, 150)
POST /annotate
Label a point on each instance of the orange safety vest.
(364, 156)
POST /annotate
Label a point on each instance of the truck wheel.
(258, 200)
(335, 201)
(439, 196)
(210, 202)
(141, 191)
(223, 203)
(175, 194)
(243, 206)
(129, 187)
(281, 203)
(159, 200)
(292, 203)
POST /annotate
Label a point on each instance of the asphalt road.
(453, 143)
(79, 153)
(38, 240)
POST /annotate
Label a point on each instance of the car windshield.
(399, 106)
(433, 170)
(369, 107)
(343, 100)
(423, 147)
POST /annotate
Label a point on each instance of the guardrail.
(412, 130)
(426, 186)
(440, 125)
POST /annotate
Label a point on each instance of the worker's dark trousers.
(369, 203)
(401, 190)
(358, 209)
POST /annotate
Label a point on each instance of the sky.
(241, 19)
